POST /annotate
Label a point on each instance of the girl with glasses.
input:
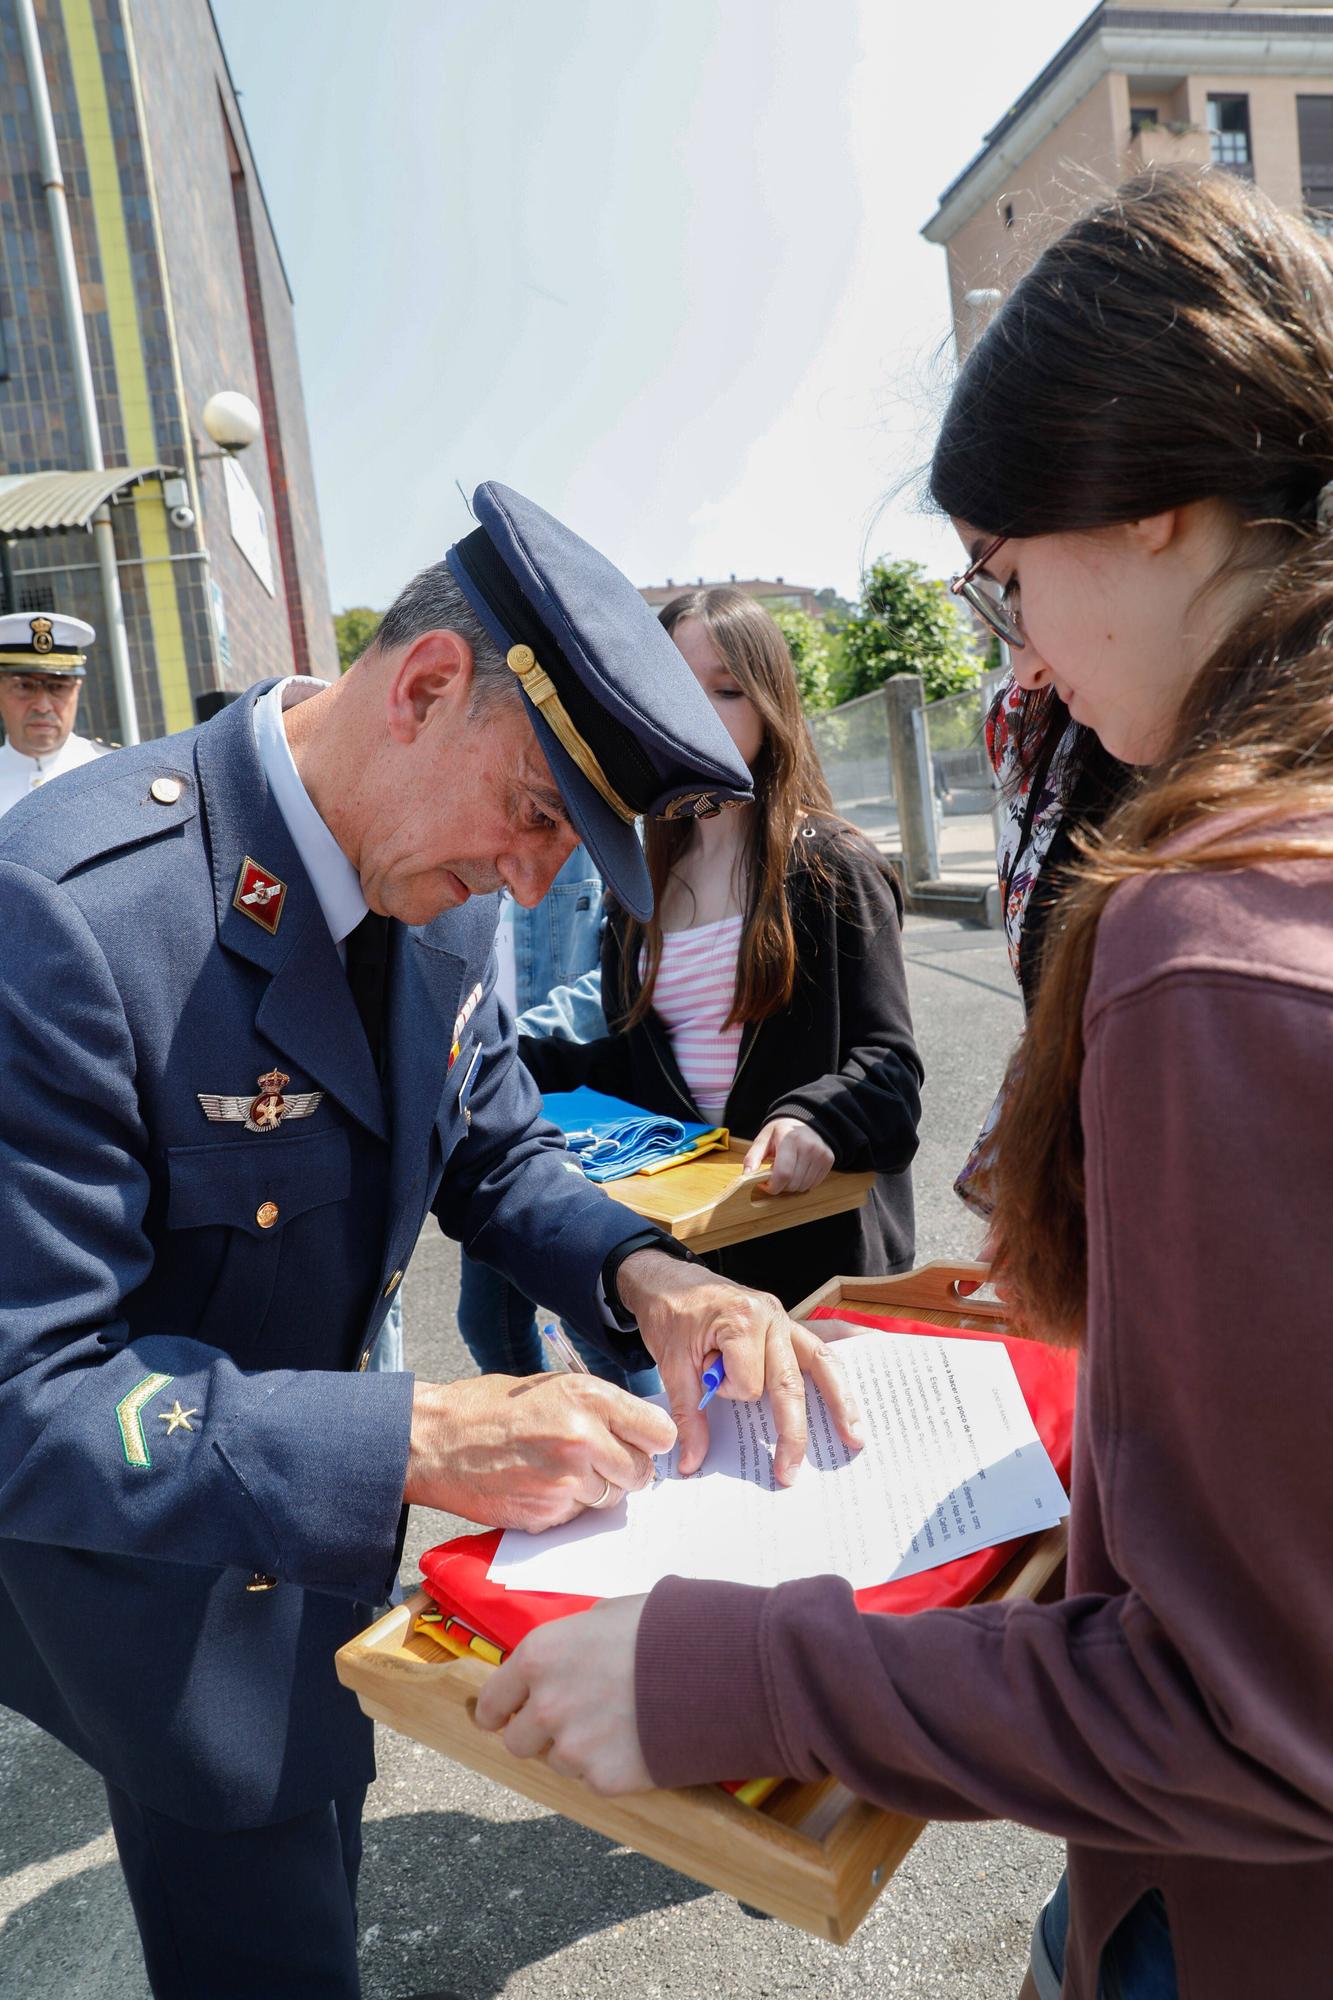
(1146, 431)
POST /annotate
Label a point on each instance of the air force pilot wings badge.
(263, 1113)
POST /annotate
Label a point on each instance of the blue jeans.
(1137, 1962)
(499, 1330)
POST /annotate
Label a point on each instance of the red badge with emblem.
(260, 895)
(270, 1107)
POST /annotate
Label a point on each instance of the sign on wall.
(249, 526)
(220, 625)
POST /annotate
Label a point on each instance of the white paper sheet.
(951, 1463)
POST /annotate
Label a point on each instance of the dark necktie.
(367, 975)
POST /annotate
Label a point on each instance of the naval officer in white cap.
(41, 671)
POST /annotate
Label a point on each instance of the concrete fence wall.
(914, 776)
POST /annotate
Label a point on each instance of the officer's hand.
(529, 1452)
(688, 1316)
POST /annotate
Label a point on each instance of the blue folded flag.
(612, 1138)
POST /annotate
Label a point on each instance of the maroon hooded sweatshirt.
(1172, 1717)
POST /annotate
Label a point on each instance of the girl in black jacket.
(767, 992)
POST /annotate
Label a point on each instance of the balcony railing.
(1158, 146)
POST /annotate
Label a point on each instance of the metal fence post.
(905, 701)
(991, 683)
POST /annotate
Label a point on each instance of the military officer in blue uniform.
(248, 1042)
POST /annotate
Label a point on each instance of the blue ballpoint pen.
(561, 1344)
(712, 1378)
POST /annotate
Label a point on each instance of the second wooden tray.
(711, 1202)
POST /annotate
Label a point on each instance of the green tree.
(837, 610)
(355, 628)
(813, 655)
(906, 623)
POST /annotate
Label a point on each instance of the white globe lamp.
(232, 421)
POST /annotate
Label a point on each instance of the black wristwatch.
(647, 1239)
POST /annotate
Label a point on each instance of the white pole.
(103, 534)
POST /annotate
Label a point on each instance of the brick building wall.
(152, 146)
(199, 143)
(40, 428)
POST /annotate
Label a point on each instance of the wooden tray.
(814, 1855)
(711, 1201)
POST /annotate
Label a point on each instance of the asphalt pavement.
(470, 1888)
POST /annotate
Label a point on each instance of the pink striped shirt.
(696, 983)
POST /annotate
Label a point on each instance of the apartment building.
(774, 593)
(1248, 88)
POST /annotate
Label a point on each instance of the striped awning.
(44, 503)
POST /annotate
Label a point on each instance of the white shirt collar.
(50, 766)
(335, 882)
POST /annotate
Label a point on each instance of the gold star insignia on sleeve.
(177, 1419)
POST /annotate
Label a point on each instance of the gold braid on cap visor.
(42, 663)
(541, 691)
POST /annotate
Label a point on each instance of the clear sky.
(656, 263)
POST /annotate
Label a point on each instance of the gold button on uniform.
(266, 1214)
(363, 1363)
(395, 1280)
(166, 790)
(261, 1582)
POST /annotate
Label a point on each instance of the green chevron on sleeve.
(129, 1415)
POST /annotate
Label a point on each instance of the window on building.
(1229, 133)
(1314, 126)
(1142, 117)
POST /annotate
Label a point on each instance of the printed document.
(951, 1463)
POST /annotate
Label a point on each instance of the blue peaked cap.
(623, 723)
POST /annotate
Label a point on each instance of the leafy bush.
(814, 655)
(906, 623)
(355, 628)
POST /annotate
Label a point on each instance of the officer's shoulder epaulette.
(107, 804)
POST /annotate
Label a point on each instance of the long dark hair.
(1175, 345)
(789, 791)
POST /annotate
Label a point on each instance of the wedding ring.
(608, 1495)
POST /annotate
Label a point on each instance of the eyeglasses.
(31, 685)
(989, 599)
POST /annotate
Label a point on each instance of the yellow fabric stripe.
(707, 1142)
(429, 1630)
(756, 1791)
(129, 1416)
(136, 408)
